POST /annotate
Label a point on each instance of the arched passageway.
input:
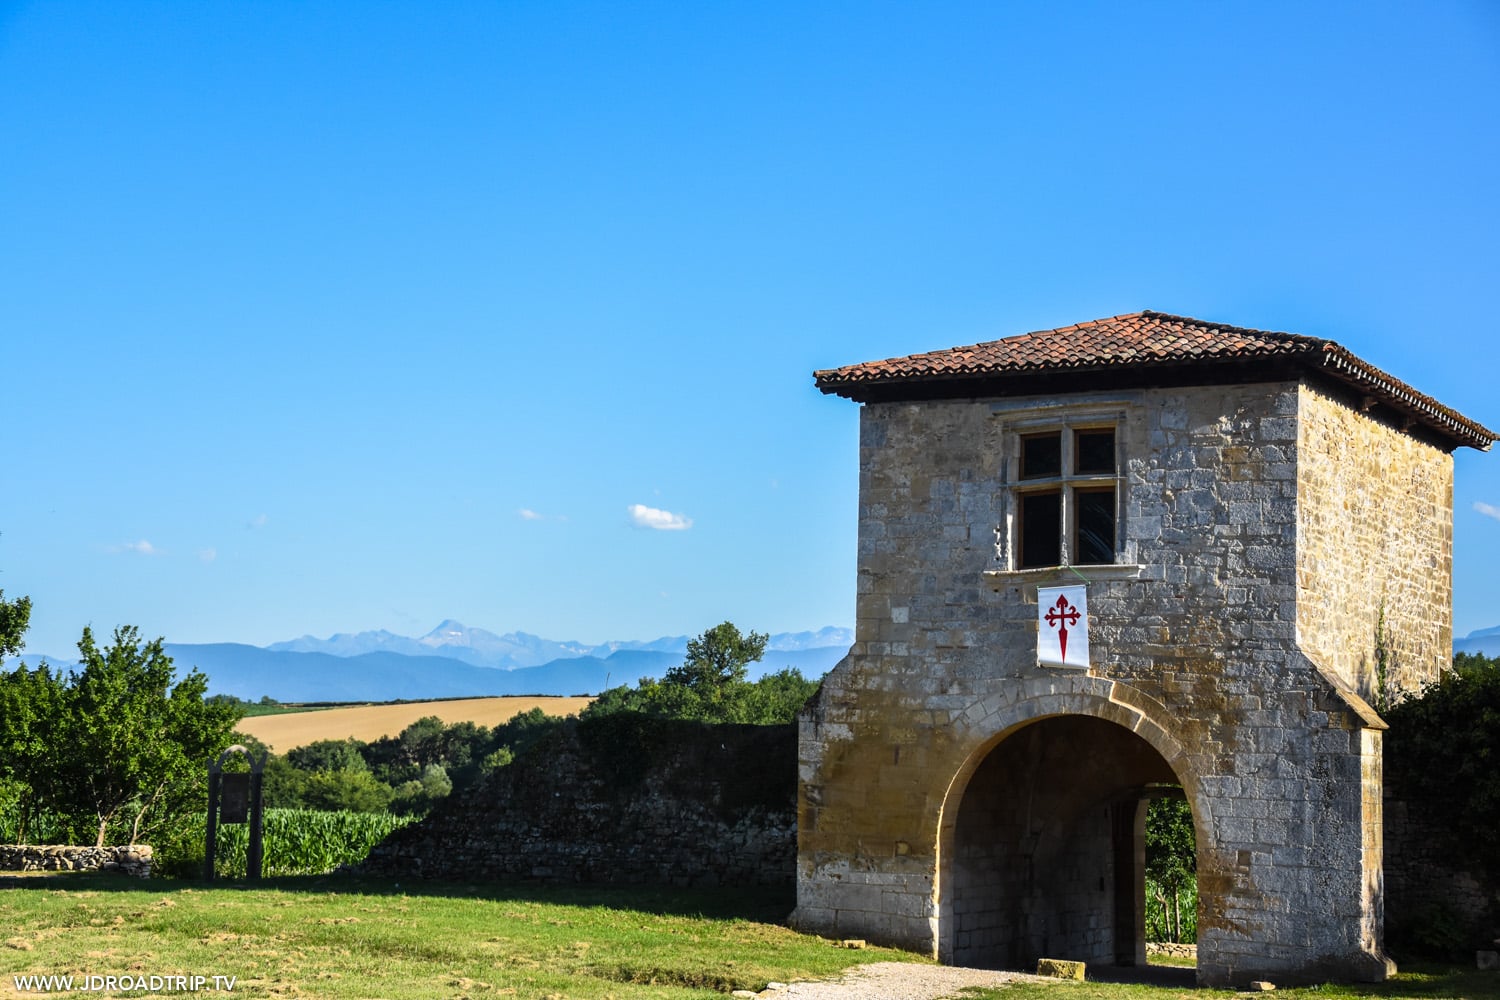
(1047, 853)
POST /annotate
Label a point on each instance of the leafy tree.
(1442, 756)
(15, 616)
(1171, 858)
(31, 705)
(329, 755)
(283, 786)
(131, 746)
(356, 791)
(775, 698)
(717, 659)
(420, 796)
(710, 685)
(499, 757)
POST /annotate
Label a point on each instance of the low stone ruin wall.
(1428, 891)
(620, 800)
(132, 860)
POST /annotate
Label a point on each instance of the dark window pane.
(1041, 529)
(1096, 452)
(1095, 536)
(1041, 456)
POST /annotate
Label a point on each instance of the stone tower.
(1260, 519)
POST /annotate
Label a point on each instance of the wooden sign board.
(234, 798)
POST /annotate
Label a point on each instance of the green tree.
(717, 659)
(1442, 757)
(329, 755)
(1171, 858)
(357, 791)
(132, 746)
(31, 709)
(775, 698)
(710, 685)
(15, 616)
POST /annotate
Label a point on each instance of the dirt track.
(370, 722)
(900, 981)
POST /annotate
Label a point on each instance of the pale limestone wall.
(1375, 533)
(1194, 650)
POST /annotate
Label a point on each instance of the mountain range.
(1485, 641)
(454, 661)
(521, 649)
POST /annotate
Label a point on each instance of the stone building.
(1261, 519)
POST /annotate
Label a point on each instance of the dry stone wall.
(1433, 897)
(629, 801)
(134, 859)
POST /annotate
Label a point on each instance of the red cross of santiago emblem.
(1060, 616)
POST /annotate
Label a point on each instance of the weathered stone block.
(1059, 968)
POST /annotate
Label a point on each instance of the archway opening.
(1048, 852)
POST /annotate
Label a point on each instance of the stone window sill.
(1053, 576)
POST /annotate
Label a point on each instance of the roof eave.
(1329, 359)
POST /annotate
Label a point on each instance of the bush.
(348, 790)
(1442, 756)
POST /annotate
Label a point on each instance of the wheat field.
(370, 722)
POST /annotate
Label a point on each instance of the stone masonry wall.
(1195, 639)
(134, 859)
(664, 804)
(1374, 537)
(1430, 892)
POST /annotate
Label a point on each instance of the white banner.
(1062, 634)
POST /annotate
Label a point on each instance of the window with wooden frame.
(1067, 497)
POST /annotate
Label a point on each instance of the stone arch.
(1090, 702)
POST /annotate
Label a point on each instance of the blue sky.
(331, 316)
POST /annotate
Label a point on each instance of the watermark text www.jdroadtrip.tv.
(89, 983)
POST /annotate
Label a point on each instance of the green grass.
(343, 937)
(1174, 961)
(338, 937)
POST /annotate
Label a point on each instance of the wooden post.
(257, 819)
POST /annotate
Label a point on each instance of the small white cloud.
(142, 548)
(527, 514)
(658, 520)
(208, 555)
(1488, 510)
(258, 521)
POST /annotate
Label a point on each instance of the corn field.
(296, 842)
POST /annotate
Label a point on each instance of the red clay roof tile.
(1141, 340)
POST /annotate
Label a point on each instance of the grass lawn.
(336, 936)
(344, 937)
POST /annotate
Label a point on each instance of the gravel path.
(900, 981)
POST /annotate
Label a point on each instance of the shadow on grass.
(755, 903)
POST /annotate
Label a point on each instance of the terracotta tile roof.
(1131, 343)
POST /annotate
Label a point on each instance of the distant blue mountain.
(1485, 641)
(251, 672)
(455, 661)
(521, 649)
